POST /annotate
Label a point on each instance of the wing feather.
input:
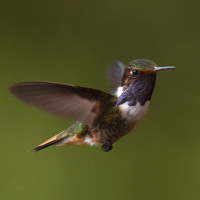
(85, 104)
(114, 72)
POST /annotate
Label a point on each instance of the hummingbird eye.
(135, 72)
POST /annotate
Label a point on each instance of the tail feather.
(40, 147)
(52, 141)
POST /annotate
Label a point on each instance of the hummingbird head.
(139, 68)
(138, 81)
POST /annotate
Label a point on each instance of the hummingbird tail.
(51, 141)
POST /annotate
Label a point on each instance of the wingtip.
(14, 88)
(11, 88)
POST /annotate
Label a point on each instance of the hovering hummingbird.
(102, 118)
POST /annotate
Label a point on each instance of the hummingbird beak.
(164, 68)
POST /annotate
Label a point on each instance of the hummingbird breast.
(133, 114)
(132, 105)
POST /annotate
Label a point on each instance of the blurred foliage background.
(72, 42)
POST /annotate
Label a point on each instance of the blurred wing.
(114, 73)
(85, 104)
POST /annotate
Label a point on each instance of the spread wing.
(114, 73)
(85, 104)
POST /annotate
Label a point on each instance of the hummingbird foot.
(107, 146)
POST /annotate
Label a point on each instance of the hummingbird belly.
(117, 124)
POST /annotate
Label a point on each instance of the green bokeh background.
(72, 42)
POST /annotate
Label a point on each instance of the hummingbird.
(102, 118)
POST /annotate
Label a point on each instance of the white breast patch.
(134, 113)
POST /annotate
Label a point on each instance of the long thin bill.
(164, 68)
